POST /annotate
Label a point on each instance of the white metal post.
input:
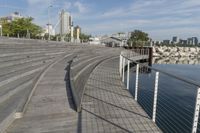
(196, 112)
(155, 97)
(128, 74)
(120, 65)
(123, 68)
(136, 81)
(1, 30)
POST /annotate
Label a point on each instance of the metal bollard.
(128, 74)
(196, 112)
(123, 68)
(155, 97)
(120, 65)
(136, 81)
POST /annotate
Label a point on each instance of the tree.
(138, 38)
(84, 37)
(21, 27)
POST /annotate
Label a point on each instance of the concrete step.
(75, 69)
(19, 57)
(13, 78)
(10, 89)
(17, 62)
(30, 52)
(79, 58)
(8, 108)
(7, 70)
(19, 72)
(79, 77)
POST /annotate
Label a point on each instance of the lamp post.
(49, 21)
(1, 30)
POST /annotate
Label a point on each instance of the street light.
(49, 21)
(1, 30)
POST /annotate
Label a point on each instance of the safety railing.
(171, 101)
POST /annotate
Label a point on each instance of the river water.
(176, 98)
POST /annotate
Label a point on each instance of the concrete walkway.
(109, 107)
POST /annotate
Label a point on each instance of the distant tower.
(78, 32)
(65, 22)
(72, 32)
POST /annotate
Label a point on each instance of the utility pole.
(1, 30)
(49, 21)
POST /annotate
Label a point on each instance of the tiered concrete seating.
(22, 64)
(20, 68)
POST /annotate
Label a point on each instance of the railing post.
(155, 97)
(123, 68)
(196, 112)
(128, 74)
(136, 81)
(120, 65)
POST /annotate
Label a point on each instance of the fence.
(171, 101)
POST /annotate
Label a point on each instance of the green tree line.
(22, 27)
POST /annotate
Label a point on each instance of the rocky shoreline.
(164, 51)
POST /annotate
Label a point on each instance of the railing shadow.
(67, 85)
(116, 106)
(108, 121)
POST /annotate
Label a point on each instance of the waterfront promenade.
(106, 105)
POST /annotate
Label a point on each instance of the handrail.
(126, 58)
(167, 73)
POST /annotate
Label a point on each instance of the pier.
(48, 87)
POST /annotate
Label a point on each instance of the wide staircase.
(23, 65)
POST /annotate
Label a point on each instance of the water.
(176, 99)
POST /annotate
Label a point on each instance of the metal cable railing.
(172, 102)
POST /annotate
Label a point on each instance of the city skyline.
(160, 18)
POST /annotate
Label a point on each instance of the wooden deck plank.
(106, 100)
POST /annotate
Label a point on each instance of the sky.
(161, 19)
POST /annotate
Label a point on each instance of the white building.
(94, 41)
(65, 22)
(49, 29)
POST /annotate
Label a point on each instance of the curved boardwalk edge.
(78, 88)
(109, 107)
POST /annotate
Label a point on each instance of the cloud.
(36, 2)
(67, 5)
(82, 8)
(154, 16)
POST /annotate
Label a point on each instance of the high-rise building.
(183, 42)
(65, 22)
(192, 41)
(167, 42)
(175, 40)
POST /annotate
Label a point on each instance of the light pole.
(1, 30)
(49, 21)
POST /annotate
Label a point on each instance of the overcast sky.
(162, 19)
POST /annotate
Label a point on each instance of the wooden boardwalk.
(107, 106)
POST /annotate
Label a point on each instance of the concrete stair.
(21, 65)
